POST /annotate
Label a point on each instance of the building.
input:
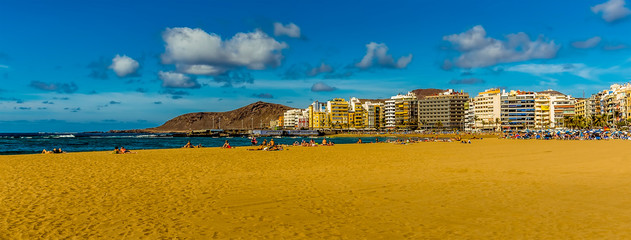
(487, 109)
(517, 110)
(296, 119)
(373, 115)
(581, 107)
(551, 108)
(401, 112)
(337, 110)
(613, 103)
(356, 114)
(469, 115)
(389, 114)
(318, 117)
(443, 110)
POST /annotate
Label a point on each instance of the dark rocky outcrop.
(242, 118)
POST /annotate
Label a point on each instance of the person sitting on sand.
(188, 145)
(264, 143)
(253, 141)
(359, 141)
(57, 150)
(116, 151)
(271, 142)
(226, 145)
(324, 142)
(296, 143)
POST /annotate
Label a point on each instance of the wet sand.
(491, 189)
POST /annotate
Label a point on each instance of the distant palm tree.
(439, 125)
(497, 122)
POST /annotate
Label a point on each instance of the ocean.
(29, 143)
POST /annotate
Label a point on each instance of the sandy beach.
(490, 189)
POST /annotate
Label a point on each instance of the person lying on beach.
(199, 146)
(275, 148)
(124, 150)
(57, 150)
(46, 152)
(226, 145)
(188, 145)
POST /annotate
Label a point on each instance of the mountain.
(424, 92)
(253, 114)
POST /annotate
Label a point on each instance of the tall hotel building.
(445, 109)
(517, 110)
(487, 109)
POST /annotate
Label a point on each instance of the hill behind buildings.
(253, 114)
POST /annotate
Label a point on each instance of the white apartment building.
(487, 109)
(469, 115)
(296, 119)
(551, 107)
(389, 113)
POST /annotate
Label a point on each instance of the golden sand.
(491, 189)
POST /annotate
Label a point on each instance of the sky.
(69, 66)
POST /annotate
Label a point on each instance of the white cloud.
(577, 69)
(612, 10)
(290, 30)
(177, 80)
(379, 52)
(124, 65)
(323, 68)
(200, 69)
(322, 87)
(478, 50)
(589, 43)
(197, 52)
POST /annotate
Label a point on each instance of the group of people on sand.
(268, 146)
(55, 150)
(189, 145)
(313, 143)
(121, 150)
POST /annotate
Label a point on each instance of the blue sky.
(101, 65)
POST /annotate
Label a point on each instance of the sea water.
(28, 143)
